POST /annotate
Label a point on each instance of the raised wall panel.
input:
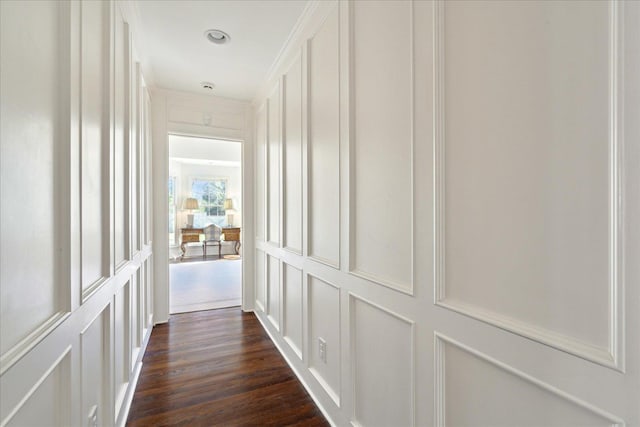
(94, 105)
(122, 345)
(48, 400)
(323, 146)
(474, 389)
(292, 168)
(324, 323)
(143, 302)
(95, 350)
(292, 288)
(134, 319)
(134, 150)
(148, 292)
(383, 366)
(142, 130)
(121, 140)
(261, 173)
(31, 167)
(382, 150)
(261, 280)
(526, 184)
(274, 141)
(147, 166)
(273, 288)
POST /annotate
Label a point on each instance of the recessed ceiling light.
(217, 36)
(207, 85)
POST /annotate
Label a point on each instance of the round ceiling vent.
(217, 36)
(207, 85)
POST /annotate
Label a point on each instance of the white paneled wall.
(292, 158)
(274, 156)
(382, 143)
(95, 142)
(323, 143)
(456, 188)
(76, 246)
(274, 302)
(31, 297)
(292, 310)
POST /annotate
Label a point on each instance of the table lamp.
(190, 204)
(229, 210)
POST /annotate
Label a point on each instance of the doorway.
(205, 217)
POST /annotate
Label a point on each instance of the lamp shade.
(190, 203)
(228, 204)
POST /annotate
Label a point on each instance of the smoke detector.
(217, 36)
(207, 85)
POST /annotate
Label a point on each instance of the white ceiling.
(178, 56)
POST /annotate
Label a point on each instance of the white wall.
(185, 114)
(447, 195)
(76, 259)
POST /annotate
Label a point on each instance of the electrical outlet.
(322, 350)
(93, 416)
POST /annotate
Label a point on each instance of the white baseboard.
(275, 339)
(133, 383)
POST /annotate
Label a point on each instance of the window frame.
(201, 211)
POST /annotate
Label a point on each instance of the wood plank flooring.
(218, 368)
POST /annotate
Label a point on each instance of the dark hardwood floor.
(218, 368)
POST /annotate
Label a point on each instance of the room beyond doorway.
(205, 217)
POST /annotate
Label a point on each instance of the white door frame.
(240, 130)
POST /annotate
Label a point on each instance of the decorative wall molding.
(335, 395)
(285, 330)
(40, 377)
(353, 299)
(106, 160)
(440, 343)
(294, 347)
(274, 98)
(103, 407)
(261, 181)
(274, 318)
(286, 240)
(612, 355)
(314, 12)
(261, 272)
(308, 143)
(66, 384)
(406, 288)
(27, 344)
(325, 386)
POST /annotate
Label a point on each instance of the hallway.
(218, 367)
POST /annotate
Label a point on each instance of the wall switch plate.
(322, 349)
(93, 416)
